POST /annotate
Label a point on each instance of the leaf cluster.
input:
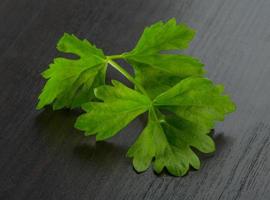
(182, 105)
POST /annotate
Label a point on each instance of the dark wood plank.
(43, 157)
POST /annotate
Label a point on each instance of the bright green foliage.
(70, 81)
(197, 100)
(151, 143)
(169, 144)
(163, 36)
(121, 105)
(195, 105)
(182, 106)
(165, 70)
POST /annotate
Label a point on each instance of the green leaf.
(194, 105)
(71, 81)
(181, 135)
(157, 71)
(164, 36)
(121, 105)
(197, 100)
(168, 144)
(149, 144)
(182, 106)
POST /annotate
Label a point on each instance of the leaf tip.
(39, 106)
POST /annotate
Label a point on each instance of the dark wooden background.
(43, 157)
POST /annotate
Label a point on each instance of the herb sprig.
(182, 104)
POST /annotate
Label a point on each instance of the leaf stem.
(126, 74)
(115, 56)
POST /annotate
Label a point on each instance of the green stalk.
(126, 74)
(132, 80)
(120, 56)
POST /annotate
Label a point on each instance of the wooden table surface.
(43, 157)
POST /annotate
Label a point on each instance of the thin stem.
(152, 113)
(127, 75)
(115, 56)
(131, 79)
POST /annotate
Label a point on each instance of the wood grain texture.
(43, 157)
